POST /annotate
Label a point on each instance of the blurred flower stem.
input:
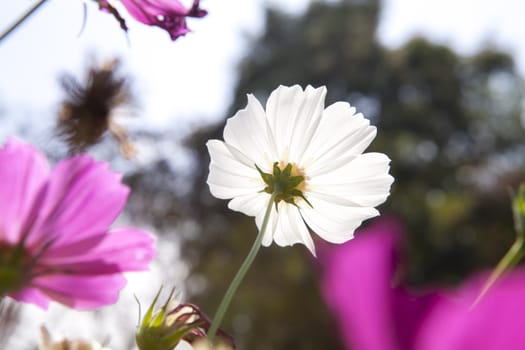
(225, 302)
(516, 251)
(24, 16)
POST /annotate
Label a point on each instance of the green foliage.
(518, 210)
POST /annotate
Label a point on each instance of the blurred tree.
(450, 124)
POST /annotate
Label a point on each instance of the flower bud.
(164, 328)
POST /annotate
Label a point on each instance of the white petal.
(271, 227)
(340, 135)
(251, 204)
(307, 122)
(221, 156)
(286, 227)
(334, 222)
(293, 115)
(364, 181)
(285, 236)
(249, 132)
(225, 178)
(298, 225)
(240, 156)
(223, 192)
(223, 153)
(229, 177)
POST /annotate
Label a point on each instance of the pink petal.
(125, 249)
(147, 11)
(358, 287)
(31, 295)
(81, 292)
(83, 198)
(169, 15)
(495, 323)
(23, 172)
(142, 12)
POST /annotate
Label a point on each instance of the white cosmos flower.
(313, 155)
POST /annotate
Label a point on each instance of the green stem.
(223, 306)
(511, 259)
(26, 15)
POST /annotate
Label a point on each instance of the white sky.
(463, 24)
(194, 76)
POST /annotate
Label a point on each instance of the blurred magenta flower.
(358, 285)
(169, 15)
(55, 242)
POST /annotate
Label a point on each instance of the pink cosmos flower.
(54, 238)
(170, 15)
(375, 314)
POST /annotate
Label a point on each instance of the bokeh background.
(441, 81)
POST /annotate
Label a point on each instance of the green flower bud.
(164, 328)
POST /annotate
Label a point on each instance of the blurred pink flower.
(54, 238)
(170, 15)
(375, 314)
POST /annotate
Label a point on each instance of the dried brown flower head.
(88, 110)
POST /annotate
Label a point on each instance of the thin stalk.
(25, 16)
(223, 306)
(511, 259)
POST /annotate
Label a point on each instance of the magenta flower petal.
(82, 292)
(169, 15)
(358, 286)
(56, 244)
(495, 323)
(33, 296)
(82, 198)
(23, 172)
(121, 250)
(374, 314)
